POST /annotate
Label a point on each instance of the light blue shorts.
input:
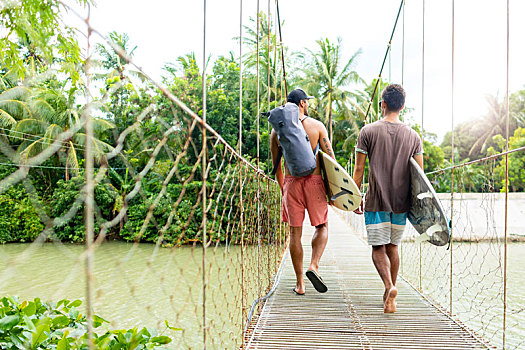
(384, 227)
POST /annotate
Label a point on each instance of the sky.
(164, 30)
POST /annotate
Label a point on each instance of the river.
(139, 285)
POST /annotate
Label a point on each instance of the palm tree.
(328, 77)
(270, 70)
(112, 61)
(46, 114)
(491, 124)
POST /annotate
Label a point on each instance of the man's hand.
(359, 210)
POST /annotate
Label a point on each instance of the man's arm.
(274, 148)
(359, 171)
(419, 160)
(326, 145)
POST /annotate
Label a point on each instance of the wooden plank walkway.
(350, 315)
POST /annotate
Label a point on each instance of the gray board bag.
(295, 145)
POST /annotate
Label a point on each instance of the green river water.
(143, 286)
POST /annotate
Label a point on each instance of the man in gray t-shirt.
(389, 144)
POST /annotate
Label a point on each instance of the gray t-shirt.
(389, 147)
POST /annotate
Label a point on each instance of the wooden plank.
(350, 315)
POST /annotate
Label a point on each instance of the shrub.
(38, 325)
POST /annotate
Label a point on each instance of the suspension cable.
(452, 161)
(204, 179)
(257, 119)
(505, 258)
(282, 47)
(241, 199)
(384, 60)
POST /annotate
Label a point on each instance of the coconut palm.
(47, 114)
(270, 71)
(494, 122)
(111, 60)
(328, 78)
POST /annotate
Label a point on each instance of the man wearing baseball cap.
(305, 192)
(298, 95)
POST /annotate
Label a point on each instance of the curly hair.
(394, 97)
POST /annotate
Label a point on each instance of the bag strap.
(278, 161)
(316, 149)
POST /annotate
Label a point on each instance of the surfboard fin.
(428, 233)
(342, 192)
(423, 238)
(424, 195)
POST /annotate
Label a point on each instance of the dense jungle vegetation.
(43, 94)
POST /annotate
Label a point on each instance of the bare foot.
(384, 295)
(390, 302)
(299, 289)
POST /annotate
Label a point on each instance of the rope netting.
(476, 280)
(162, 176)
(211, 216)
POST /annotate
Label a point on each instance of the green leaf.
(9, 322)
(29, 323)
(98, 321)
(44, 321)
(30, 309)
(75, 303)
(63, 344)
(161, 340)
(63, 301)
(61, 321)
(172, 328)
(40, 335)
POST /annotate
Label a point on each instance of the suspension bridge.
(217, 274)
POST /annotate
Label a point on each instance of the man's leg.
(393, 256)
(296, 252)
(319, 241)
(383, 267)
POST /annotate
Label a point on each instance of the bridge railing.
(201, 222)
(476, 280)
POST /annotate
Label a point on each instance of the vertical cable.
(505, 258)
(422, 122)
(403, 50)
(90, 196)
(452, 163)
(241, 202)
(257, 119)
(277, 204)
(423, 74)
(268, 154)
(402, 84)
(204, 178)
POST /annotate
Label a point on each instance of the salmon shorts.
(300, 193)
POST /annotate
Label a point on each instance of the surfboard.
(426, 213)
(340, 187)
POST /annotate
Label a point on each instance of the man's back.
(389, 147)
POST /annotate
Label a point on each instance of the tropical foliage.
(43, 104)
(33, 324)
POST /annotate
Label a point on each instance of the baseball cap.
(297, 95)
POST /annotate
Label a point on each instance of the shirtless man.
(308, 192)
(389, 144)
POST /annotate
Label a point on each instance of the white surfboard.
(340, 187)
(426, 213)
